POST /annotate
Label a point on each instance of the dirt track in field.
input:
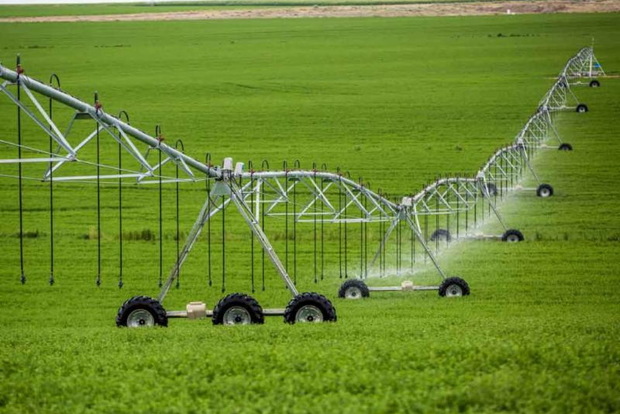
(388, 10)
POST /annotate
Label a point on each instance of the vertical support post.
(285, 168)
(398, 246)
(425, 233)
(314, 241)
(476, 211)
(346, 238)
(324, 168)
(381, 247)
(340, 222)
(296, 166)
(223, 247)
(362, 230)
(412, 247)
(264, 166)
(178, 144)
(210, 203)
(120, 205)
(19, 174)
(384, 247)
(52, 278)
(365, 239)
(97, 109)
(504, 177)
(458, 206)
(251, 168)
(436, 224)
(448, 235)
(160, 138)
(467, 213)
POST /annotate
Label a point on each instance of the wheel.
(491, 189)
(544, 191)
(238, 309)
(512, 236)
(565, 147)
(353, 289)
(441, 234)
(453, 286)
(594, 83)
(309, 307)
(582, 108)
(141, 311)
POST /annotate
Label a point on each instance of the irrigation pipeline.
(329, 197)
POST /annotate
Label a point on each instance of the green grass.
(396, 101)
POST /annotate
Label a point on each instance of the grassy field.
(396, 101)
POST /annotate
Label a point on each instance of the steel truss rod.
(273, 189)
(95, 112)
(208, 210)
(557, 97)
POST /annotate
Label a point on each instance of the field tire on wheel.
(309, 307)
(453, 286)
(353, 289)
(582, 108)
(594, 83)
(141, 311)
(544, 191)
(565, 146)
(512, 236)
(441, 234)
(238, 309)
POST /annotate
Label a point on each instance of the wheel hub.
(309, 313)
(454, 290)
(353, 293)
(237, 315)
(139, 318)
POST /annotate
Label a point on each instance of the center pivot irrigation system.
(415, 226)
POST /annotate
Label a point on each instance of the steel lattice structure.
(306, 196)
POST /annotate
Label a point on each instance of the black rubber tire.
(450, 286)
(240, 300)
(310, 299)
(544, 190)
(565, 146)
(491, 189)
(594, 83)
(142, 303)
(582, 108)
(510, 234)
(353, 283)
(442, 235)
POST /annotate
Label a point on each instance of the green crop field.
(395, 101)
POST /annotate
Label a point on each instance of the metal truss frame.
(67, 152)
(332, 198)
(583, 65)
